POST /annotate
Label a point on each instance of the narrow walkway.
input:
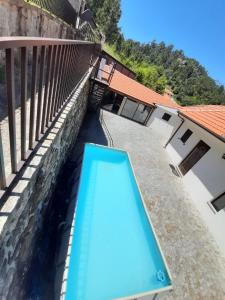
(198, 270)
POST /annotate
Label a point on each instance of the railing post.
(40, 93)
(51, 86)
(62, 92)
(65, 94)
(2, 166)
(49, 61)
(56, 79)
(10, 85)
(60, 77)
(23, 101)
(33, 97)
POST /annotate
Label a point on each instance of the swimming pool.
(115, 253)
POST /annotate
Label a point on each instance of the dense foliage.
(156, 64)
(107, 14)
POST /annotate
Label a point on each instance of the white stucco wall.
(206, 180)
(164, 128)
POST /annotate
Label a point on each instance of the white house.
(165, 121)
(196, 146)
(128, 98)
(193, 136)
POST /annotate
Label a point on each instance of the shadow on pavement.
(49, 253)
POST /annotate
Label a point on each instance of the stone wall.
(22, 214)
(18, 18)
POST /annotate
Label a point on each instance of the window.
(186, 135)
(166, 117)
(219, 203)
(193, 157)
(136, 111)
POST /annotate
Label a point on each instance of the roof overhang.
(202, 126)
(132, 98)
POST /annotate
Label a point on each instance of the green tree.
(94, 6)
(151, 76)
(107, 14)
(157, 64)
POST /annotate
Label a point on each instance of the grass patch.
(112, 51)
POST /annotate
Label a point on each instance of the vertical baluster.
(23, 101)
(65, 93)
(72, 68)
(68, 74)
(70, 71)
(10, 85)
(51, 85)
(40, 93)
(76, 75)
(52, 113)
(33, 97)
(82, 60)
(2, 166)
(75, 68)
(49, 60)
(64, 76)
(73, 60)
(62, 62)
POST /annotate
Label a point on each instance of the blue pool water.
(114, 252)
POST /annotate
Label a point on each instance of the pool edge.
(67, 262)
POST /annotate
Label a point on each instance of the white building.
(193, 136)
(165, 121)
(196, 145)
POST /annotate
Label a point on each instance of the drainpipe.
(172, 136)
(150, 114)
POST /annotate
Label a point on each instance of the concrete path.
(196, 266)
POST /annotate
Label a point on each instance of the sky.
(195, 26)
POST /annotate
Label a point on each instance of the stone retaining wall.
(18, 18)
(22, 214)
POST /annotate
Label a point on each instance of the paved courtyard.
(197, 268)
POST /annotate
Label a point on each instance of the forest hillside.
(157, 65)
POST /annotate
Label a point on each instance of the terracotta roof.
(126, 86)
(210, 117)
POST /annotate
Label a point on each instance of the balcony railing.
(46, 72)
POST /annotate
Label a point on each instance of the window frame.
(216, 199)
(184, 170)
(165, 116)
(185, 133)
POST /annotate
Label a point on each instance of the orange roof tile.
(126, 86)
(210, 117)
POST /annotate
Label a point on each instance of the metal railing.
(59, 8)
(49, 70)
(86, 32)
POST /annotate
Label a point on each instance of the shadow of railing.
(53, 240)
(57, 66)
